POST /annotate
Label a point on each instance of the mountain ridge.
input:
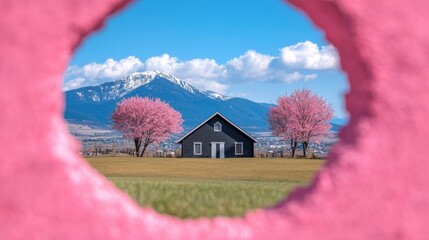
(121, 87)
(94, 104)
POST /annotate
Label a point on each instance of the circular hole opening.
(203, 57)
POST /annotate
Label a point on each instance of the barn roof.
(208, 119)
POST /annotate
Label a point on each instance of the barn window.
(218, 127)
(238, 148)
(198, 148)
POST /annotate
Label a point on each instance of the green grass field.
(190, 188)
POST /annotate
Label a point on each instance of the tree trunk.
(144, 149)
(304, 148)
(138, 143)
(293, 145)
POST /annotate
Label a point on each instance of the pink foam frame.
(374, 186)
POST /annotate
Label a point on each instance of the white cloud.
(195, 68)
(309, 77)
(250, 65)
(113, 69)
(203, 68)
(163, 63)
(296, 76)
(307, 55)
(74, 83)
(97, 73)
(207, 74)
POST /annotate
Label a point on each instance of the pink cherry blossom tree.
(301, 117)
(146, 121)
(281, 123)
(311, 117)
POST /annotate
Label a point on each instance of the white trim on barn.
(221, 149)
(201, 148)
(235, 148)
(217, 113)
(217, 127)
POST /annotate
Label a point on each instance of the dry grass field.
(191, 188)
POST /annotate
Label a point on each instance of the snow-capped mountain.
(215, 95)
(119, 88)
(94, 105)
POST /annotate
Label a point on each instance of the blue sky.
(256, 49)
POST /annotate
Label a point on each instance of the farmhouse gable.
(217, 137)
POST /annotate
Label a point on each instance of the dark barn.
(217, 137)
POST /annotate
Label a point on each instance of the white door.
(218, 150)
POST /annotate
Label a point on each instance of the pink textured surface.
(375, 185)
